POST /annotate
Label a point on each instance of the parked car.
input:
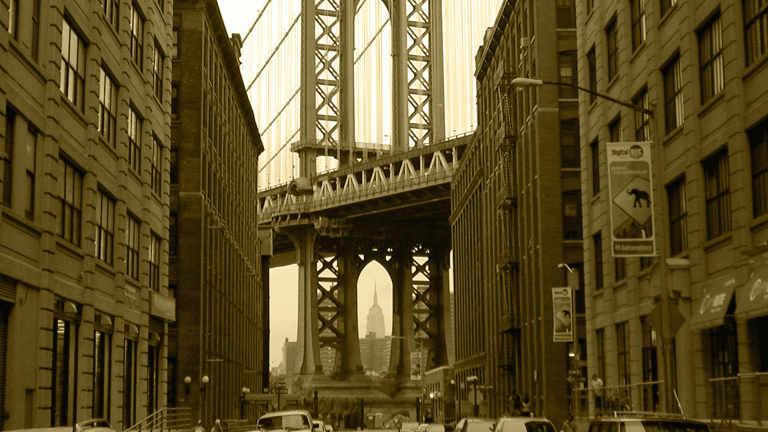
(525, 424)
(474, 424)
(92, 425)
(409, 427)
(318, 424)
(328, 428)
(291, 420)
(646, 422)
(435, 427)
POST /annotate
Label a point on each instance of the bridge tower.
(329, 253)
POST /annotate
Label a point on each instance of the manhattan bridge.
(365, 109)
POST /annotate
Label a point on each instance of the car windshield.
(531, 426)
(288, 422)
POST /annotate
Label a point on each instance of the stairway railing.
(165, 419)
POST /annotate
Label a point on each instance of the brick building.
(516, 217)
(84, 305)
(216, 271)
(685, 322)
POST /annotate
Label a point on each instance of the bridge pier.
(329, 268)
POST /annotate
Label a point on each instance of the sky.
(467, 21)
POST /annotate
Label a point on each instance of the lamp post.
(667, 330)
(243, 392)
(531, 82)
(475, 406)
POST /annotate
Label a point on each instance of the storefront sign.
(631, 193)
(752, 298)
(709, 310)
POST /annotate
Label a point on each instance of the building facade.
(216, 272)
(85, 306)
(678, 329)
(516, 218)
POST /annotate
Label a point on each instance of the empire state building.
(375, 326)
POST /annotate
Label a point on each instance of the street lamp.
(243, 392)
(475, 406)
(532, 82)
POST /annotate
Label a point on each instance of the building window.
(102, 354)
(678, 217)
(642, 120)
(157, 166)
(175, 43)
(134, 140)
(567, 71)
(758, 142)
(174, 177)
(72, 82)
(13, 18)
(673, 95)
(174, 101)
(637, 9)
(650, 393)
(29, 184)
(173, 233)
(755, 29)
(111, 9)
(132, 247)
(35, 47)
(667, 5)
(711, 59)
(614, 130)
(105, 230)
(595, 158)
(153, 377)
(10, 138)
(597, 242)
(158, 58)
(129, 381)
(107, 107)
(137, 36)
(622, 353)
(566, 14)
(64, 367)
(718, 194)
(572, 215)
(592, 67)
(70, 190)
(569, 143)
(725, 364)
(645, 262)
(613, 50)
(154, 262)
(600, 348)
(620, 267)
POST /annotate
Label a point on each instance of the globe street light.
(475, 406)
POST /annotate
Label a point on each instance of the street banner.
(562, 308)
(631, 193)
(415, 365)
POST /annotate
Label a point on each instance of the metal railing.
(740, 398)
(610, 399)
(165, 419)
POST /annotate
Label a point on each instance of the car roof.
(289, 412)
(624, 416)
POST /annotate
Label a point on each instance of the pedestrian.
(199, 427)
(599, 392)
(217, 426)
(569, 425)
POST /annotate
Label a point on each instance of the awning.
(752, 298)
(709, 310)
